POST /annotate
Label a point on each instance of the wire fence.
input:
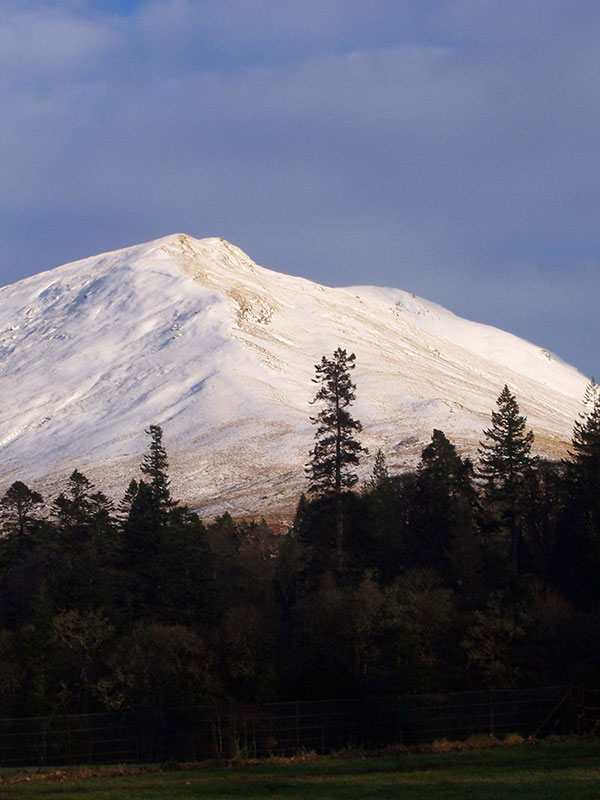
(255, 731)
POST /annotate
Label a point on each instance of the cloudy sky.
(446, 147)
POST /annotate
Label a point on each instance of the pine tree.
(505, 458)
(445, 500)
(73, 508)
(18, 506)
(578, 554)
(87, 537)
(148, 506)
(380, 477)
(585, 452)
(155, 465)
(124, 507)
(336, 451)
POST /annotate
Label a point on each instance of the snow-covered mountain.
(191, 334)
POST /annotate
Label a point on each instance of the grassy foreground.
(545, 771)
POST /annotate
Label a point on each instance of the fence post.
(491, 701)
(572, 714)
(581, 709)
(297, 729)
(69, 746)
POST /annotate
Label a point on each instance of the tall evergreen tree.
(26, 557)
(546, 518)
(445, 500)
(124, 507)
(380, 477)
(155, 466)
(18, 507)
(73, 507)
(336, 451)
(145, 530)
(585, 448)
(505, 458)
(389, 519)
(84, 544)
(142, 534)
(578, 553)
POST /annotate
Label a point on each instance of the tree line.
(451, 576)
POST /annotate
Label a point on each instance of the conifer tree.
(86, 534)
(73, 507)
(444, 502)
(144, 529)
(336, 451)
(505, 458)
(585, 449)
(380, 477)
(124, 507)
(18, 506)
(578, 552)
(155, 465)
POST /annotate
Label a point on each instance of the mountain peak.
(197, 256)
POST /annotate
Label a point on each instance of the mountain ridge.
(191, 334)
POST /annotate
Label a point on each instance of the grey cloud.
(434, 154)
(48, 44)
(259, 31)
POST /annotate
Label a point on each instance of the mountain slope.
(192, 335)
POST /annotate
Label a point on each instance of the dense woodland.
(453, 576)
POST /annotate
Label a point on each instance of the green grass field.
(545, 771)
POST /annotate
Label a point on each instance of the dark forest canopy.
(450, 577)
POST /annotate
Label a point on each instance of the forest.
(453, 576)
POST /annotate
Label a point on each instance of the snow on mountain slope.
(193, 335)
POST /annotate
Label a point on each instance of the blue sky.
(445, 147)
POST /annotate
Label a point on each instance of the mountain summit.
(192, 335)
